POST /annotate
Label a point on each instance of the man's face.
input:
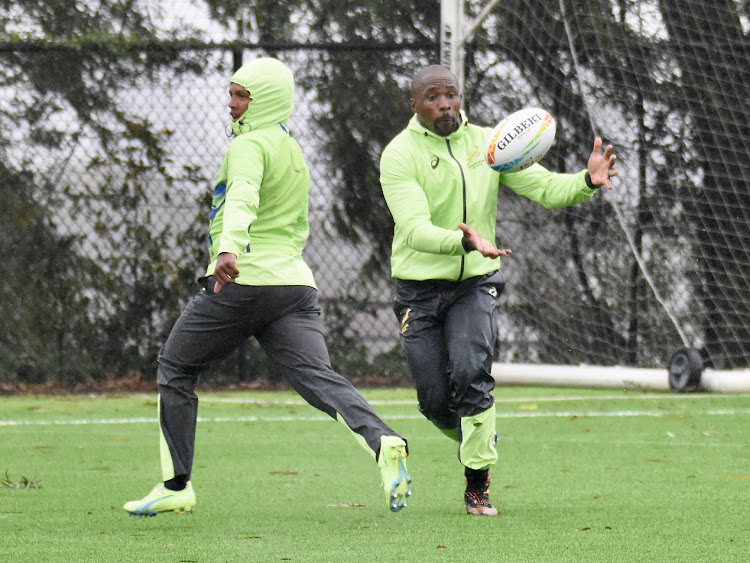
(239, 99)
(437, 102)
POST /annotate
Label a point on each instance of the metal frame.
(454, 34)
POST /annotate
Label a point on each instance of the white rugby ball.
(520, 140)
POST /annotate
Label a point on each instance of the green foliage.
(349, 355)
(84, 303)
(714, 87)
(42, 303)
(74, 308)
(653, 83)
(365, 95)
(264, 20)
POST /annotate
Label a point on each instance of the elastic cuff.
(589, 183)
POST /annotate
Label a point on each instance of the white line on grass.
(386, 402)
(560, 414)
(291, 402)
(702, 441)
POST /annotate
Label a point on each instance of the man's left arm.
(553, 190)
(600, 167)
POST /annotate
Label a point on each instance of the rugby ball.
(520, 140)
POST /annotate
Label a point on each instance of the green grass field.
(584, 475)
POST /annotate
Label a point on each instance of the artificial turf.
(583, 475)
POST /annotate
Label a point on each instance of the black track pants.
(286, 322)
(448, 332)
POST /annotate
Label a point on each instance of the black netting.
(110, 145)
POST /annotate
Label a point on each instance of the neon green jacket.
(260, 202)
(432, 183)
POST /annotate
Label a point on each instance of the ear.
(413, 105)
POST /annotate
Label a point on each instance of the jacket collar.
(415, 126)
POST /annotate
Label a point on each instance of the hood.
(271, 87)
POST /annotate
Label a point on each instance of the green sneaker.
(393, 475)
(161, 499)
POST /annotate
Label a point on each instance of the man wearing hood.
(257, 284)
(436, 184)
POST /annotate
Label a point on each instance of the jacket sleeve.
(550, 189)
(408, 205)
(245, 166)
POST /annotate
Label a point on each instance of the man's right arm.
(410, 209)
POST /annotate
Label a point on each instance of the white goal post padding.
(451, 38)
(615, 377)
(455, 32)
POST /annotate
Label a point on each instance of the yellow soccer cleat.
(161, 499)
(393, 475)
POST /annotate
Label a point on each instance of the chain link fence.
(110, 149)
(143, 219)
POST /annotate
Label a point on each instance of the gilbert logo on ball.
(520, 140)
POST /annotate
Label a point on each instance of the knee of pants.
(441, 415)
(171, 375)
(468, 362)
(471, 374)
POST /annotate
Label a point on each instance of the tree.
(708, 42)
(66, 68)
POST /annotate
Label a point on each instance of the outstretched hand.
(476, 242)
(600, 165)
(226, 270)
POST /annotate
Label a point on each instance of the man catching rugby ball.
(443, 198)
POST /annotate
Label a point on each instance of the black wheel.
(685, 368)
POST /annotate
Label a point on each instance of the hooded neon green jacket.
(260, 202)
(432, 183)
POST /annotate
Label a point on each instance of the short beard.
(445, 127)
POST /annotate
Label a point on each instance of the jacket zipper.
(463, 185)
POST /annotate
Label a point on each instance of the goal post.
(451, 32)
(455, 32)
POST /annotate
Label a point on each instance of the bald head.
(436, 100)
(432, 75)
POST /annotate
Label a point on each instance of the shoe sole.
(145, 509)
(481, 512)
(401, 485)
(180, 511)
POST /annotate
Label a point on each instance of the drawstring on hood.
(271, 87)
